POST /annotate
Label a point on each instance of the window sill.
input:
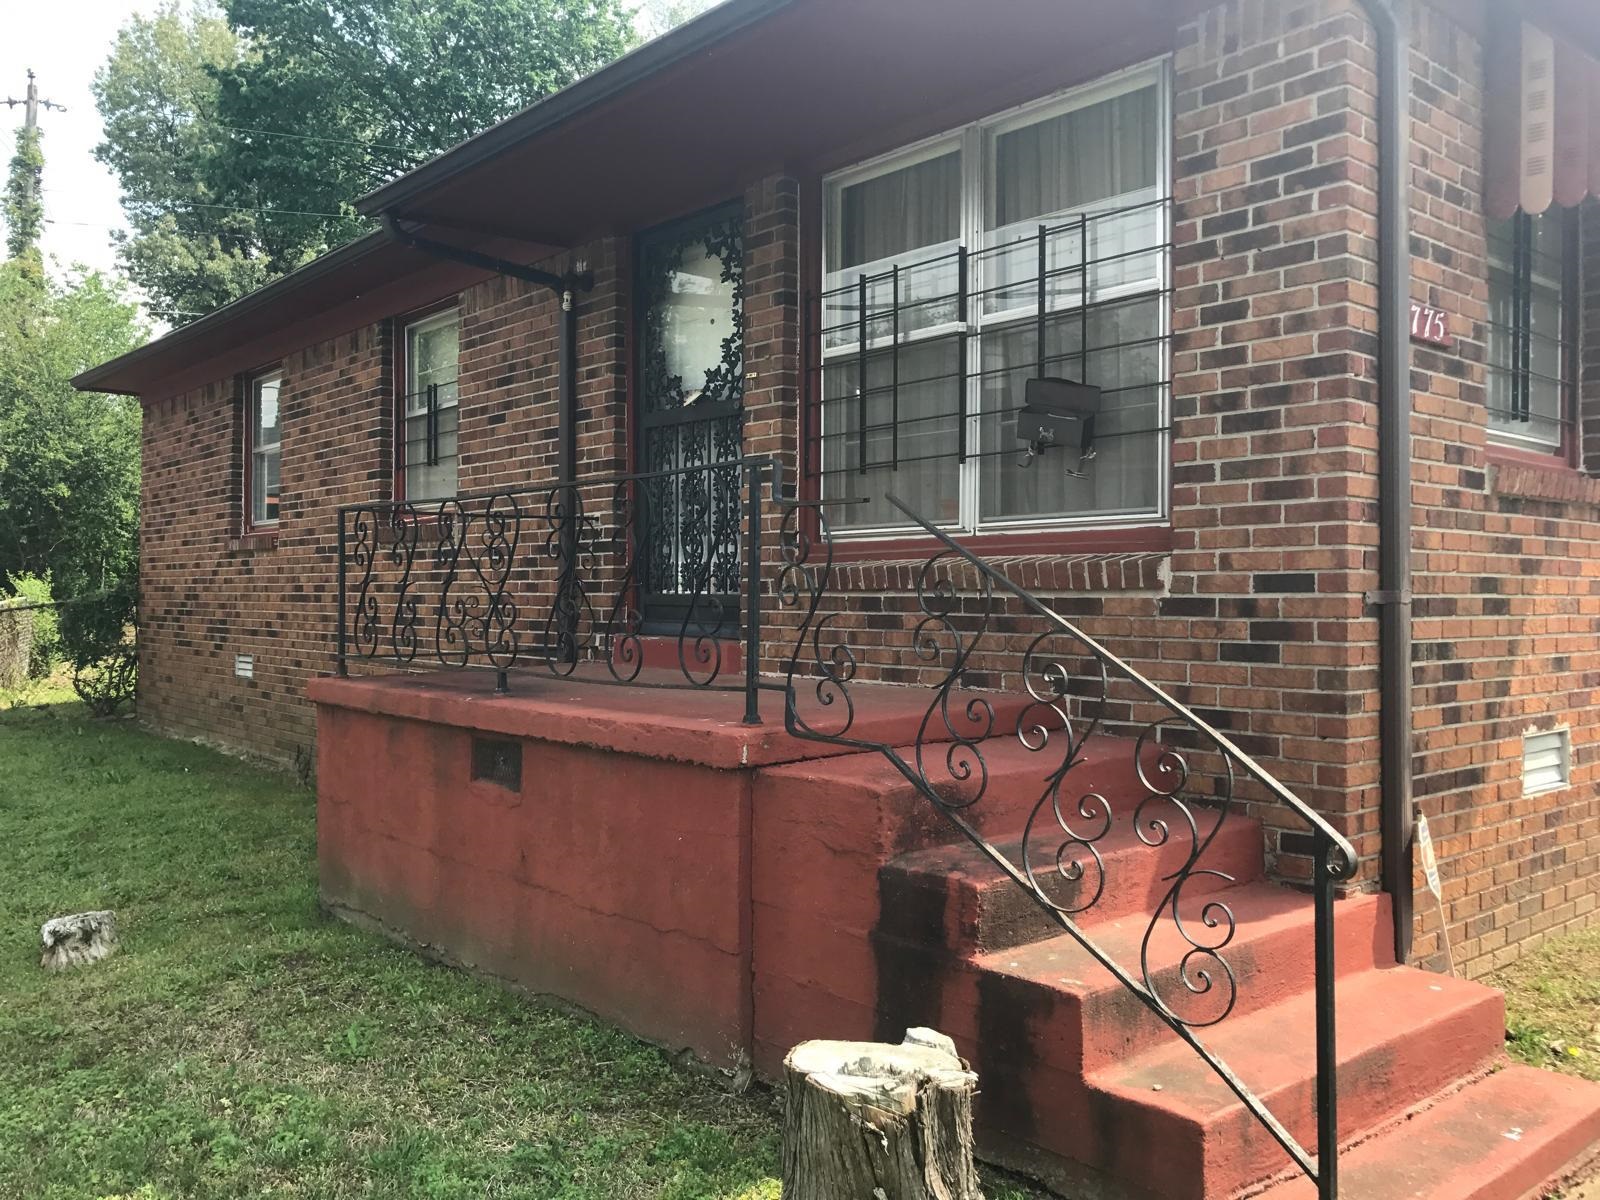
(1144, 539)
(1059, 561)
(1530, 476)
(1555, 461)
(252, 540)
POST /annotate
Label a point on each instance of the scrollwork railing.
(1054, 690)
(566, 579)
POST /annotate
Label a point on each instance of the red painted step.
(1404, 1035)
(905, 924)
(1016, 779)
(985, 909)
(1270, 954)
(1508, 1136)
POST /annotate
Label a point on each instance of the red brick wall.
(1507, 569)
(1274, 457)
(208, 593)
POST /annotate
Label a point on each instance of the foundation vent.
(1546, 761)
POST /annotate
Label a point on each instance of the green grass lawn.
(243, 1045)
(1553, 1004)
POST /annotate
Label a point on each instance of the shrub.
(45, 651)
(98, 637)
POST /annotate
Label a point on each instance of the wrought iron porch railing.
(1070, 688)
(572, 579)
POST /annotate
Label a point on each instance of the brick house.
(1308, 303)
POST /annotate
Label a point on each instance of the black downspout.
(1391, 19)
(565, 288)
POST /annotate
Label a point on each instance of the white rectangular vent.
(1546, 761)
(244, 666)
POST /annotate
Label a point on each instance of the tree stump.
(76, 940)
(871, 1121)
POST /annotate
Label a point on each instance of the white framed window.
(430, 407)
(1532, 330)
(942, 264)
(1546, 761)
(263, 448)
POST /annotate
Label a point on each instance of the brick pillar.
(1274, 439)
(772, 373)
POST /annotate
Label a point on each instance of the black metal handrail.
(570, 578)
(1067, 680)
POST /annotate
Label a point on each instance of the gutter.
(331, 263)
(564, 288)
(1391, 20)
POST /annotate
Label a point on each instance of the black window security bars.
(1001, 664)
(556, 579)
(1532, 330)
(918, 366)
(429, 441)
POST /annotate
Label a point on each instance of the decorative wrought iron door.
(690, 418)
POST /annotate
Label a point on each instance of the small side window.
(263, 449)
(429, 409)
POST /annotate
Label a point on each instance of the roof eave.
(101, 378)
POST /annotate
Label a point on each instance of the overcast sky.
(64, 42)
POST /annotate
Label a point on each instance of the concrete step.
(1511, 1135)
(1101, 1022)
(985, 910)
(1014, 779)
(1403, 1036)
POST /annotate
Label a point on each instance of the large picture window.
(430, 407)
(1532, 329)
(1032, 244)
(263, 448)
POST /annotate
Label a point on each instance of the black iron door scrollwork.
(690, 419)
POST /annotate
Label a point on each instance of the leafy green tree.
(23, 205)
(654, 17)
(69, 461)
(241, 134)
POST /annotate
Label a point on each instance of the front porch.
(730, 889)
(1023, 842)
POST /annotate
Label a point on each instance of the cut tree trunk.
(76, 940)
(871, 1121)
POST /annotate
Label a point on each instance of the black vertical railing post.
(754, 479)
(805, 394)
(894, 367)
(1044, 265)
(861, 375)
(342, 663)
(1327, 1051)
(1083, 296)
(961, 353)
(432, 425)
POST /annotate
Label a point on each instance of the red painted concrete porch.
(731, 890)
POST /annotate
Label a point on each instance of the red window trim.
(397, 400)
(247, 507)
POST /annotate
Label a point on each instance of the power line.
(277, 212)
(307, 137)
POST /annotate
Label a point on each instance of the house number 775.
(1429, 324)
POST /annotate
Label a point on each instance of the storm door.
(689, 420)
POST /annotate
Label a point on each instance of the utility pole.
(31, 104)
(24, 206)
